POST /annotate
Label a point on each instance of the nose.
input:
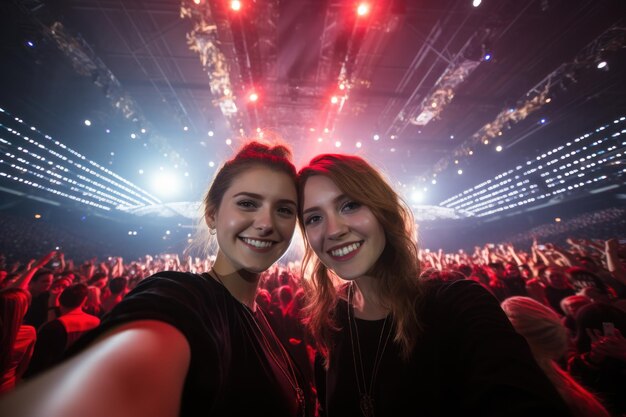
(264, 223)
(336, 228)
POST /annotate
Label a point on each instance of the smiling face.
(255, 220)
(345, 235)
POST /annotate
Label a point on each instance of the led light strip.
(490, 196)
(31, 160)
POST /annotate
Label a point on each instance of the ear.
(210, 217)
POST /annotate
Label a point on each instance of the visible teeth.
(258, 243)
(345, 250)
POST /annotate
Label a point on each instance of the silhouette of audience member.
(93, 305)
(570, 306)
(118, 287)
(100, 280)
(45, 305)
(557, 287)
(17, 340)
(56, 336)
(600, 360)
(549, 342)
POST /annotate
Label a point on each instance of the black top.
(229, 373)
(469, 361)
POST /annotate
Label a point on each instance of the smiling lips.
(345, 252)
(257, 244)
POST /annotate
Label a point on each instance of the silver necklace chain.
(289, 373)
(366, 400)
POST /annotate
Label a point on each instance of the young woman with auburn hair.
(392, 344)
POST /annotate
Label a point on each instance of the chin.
(257, 269)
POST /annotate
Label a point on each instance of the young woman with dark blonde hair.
(183, 344)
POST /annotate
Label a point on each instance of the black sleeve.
(49, 348)
(499, 375)
(320, 384)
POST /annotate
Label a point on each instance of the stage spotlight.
(87, 122)
(499, 148)
(603, 65)
(334, 99)
(253, 97)
(476, 3)
(235, 5)
(417, 196)
(363, 9)
(166, 184)
(487, 56)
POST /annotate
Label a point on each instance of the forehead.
(267, 182)
(319, 189)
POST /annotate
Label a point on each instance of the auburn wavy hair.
(397, 269)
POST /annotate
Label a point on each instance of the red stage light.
(235, 5)
(253, 97)
(363, 9)
(334, 99)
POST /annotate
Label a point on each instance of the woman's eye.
(246, 204)
(312, 219)
(350, 206)
(286, 210)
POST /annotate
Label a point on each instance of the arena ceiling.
(424, 89)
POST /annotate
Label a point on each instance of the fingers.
(594, 334)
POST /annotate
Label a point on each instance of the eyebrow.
(260, 197)
(335, 200)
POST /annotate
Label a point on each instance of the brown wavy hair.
(397, 268)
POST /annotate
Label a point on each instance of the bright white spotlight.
(476, 3)
(166, 184)
(602, 64)
(87, 122)
(499, 148)
(363, 9)
(417, 196)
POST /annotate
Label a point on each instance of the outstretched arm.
(137, 369)
(23, 280)
(614, 265)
